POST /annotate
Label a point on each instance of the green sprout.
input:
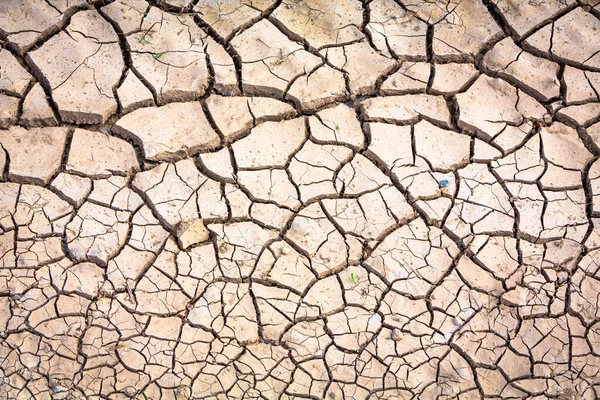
(144, 40)
(353, 277)
(156, 56)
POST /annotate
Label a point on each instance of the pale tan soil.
(299, 199)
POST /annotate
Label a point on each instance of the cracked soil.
(299, 199)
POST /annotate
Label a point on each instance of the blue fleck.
(444, 183)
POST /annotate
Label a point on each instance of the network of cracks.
(300, 199)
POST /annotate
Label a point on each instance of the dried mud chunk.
(74, 188)
(270, 144)
(169, 132)
(9, 107)
(323, 298)
(285, 266)
(192, 232)
(565, 215)
(98, 155)
(451, 77)
(393, 156)
(13, 77)
(321, 22)
(218, 163)
(562, 146)
(8, 257)
(360, 176)
(276, 307)
(490, 105)
(478, 278)
(525, 16)
(97, 233)
(238, 319)
(270, 60)
(443, 149)
(235, 115)
(409, 108)
(543, 340)
(35, 154)
(39, 212)
(158, 293)
(584, 289)
(168, 51)
(74, 62)
(128, 14)
(24, 20)
(307, 340)
(353, 327)
(507, 60)
(227, 17)
(575, 37)
(310, 379)
(314, 167)
(464, 29)
(36, 109)
(126, 268)
(410, 77)
(337, 124)
(585, 114)
(390, 25)
(240, 245)
(499, 255)
(86, 278)
(364, 66)
(273, 186)
(318, 237)
(133, 93)
(481, 205)
(582, 86)
(114, 192)
(371, 215)
(524, 165)
(177, 191)
(414, 255)
(317, 88)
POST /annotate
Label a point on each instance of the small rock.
(285, 251)
(192, 232)
(397, 335)
(374, 323)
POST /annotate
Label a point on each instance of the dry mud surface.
(300, 199)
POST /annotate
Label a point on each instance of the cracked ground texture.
(300, 199)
